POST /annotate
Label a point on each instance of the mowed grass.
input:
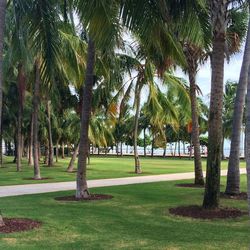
(136, 218)
(99, 168)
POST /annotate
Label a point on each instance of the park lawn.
(100, 168)
(136, 218)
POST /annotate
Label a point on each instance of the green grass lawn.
(136, 218)
(100, 167)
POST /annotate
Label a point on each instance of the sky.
(231, 72)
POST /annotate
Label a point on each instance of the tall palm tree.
(82, 188)
(248, 139)
(102, 23)
(218, 10)
(233, 175)
(2, 25)
(36, 100)
(193, 55)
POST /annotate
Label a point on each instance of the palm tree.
(248, 139)
(218, 10)
(36, 100)
(102, 23)
(193, 55)
(51, 148)
(2, 25)
(233, 175)
(227, 113)
(82, 188)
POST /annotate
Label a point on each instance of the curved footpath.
(15, 190)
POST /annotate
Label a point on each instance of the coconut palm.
(248, 139)
(233, 175)
(101, 22)
(218, 10)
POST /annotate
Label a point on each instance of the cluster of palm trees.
(85, 72)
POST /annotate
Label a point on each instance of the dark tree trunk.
(192, 55)
(233, 174)
(73, 158)
(50, 148)
(144, 141)
(46, 154)
(152, 147)
(212, 190)
(164, 151)
(190, 148)
(81, 182)
(117, 148)
(121, 149)
(57, 151)
(39, 151)
(179, 148)
(36, 103)
(68, 150)
(2, 25)
(63, 155)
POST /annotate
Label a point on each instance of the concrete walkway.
(63, 186)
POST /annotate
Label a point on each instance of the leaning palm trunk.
(36, 100)
(192, 58)
(81, 182)
(21, 90)
(136, 121)
(2, 25)
(73, 159)
(50, 147)
(233, 174)
(248, 140)
(212, 190)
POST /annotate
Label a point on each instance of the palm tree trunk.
(21, 90)
(190, 148)
(152, 147)
(179, 148)
(247, 134)
(233, 174)
(81, 182)
(192, 69)
(57, 151)
(73, 158)
(63, 155)
(136, 122)
(2, 25)
(212, 190)
(46, 154)
(51, 148)
(121, 149)
(144, 141)
(36, 101)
